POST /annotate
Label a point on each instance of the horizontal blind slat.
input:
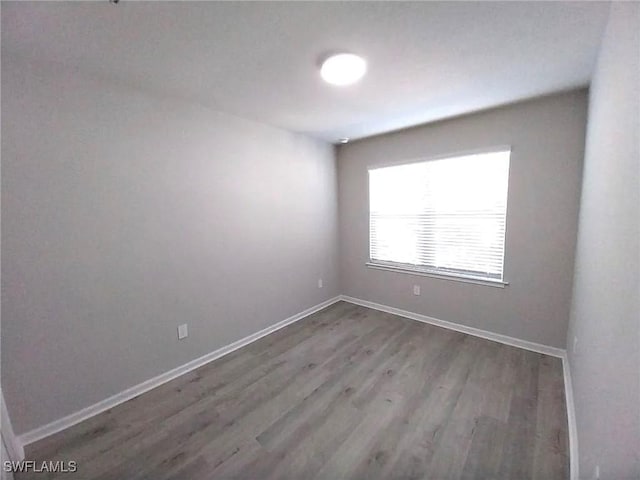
(448, 214)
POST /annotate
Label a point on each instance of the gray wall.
(124, 215)
(547, 137)
(605, 365)
(4, 456)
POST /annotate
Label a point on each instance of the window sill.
(443, 276)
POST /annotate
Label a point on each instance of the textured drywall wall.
(124, 215)
(547, 140)
(605, 320)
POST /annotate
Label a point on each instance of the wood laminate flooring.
(346, 393)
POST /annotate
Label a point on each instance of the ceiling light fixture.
(344, 140)
(343, 69)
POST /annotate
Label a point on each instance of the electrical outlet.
(416, 289)
(183, 331)
(319, 283)
(596, 472)
(575, 344)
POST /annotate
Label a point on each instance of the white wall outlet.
(596, 473)
(575, 344)
(320, 283)
(183, 331)
(416, 289)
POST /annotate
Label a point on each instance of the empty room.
(320, 240)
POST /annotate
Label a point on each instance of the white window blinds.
(441, 216)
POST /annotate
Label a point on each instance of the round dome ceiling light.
(343, 69)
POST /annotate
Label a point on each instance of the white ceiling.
(427, 61)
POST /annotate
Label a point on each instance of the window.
(444, 217)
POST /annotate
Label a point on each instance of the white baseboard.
(14, 446)
(81, 415)
(476, 332)
(571, 420)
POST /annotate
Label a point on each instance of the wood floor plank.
(348, 392)
(431, 408)
(487, 447)
(400, 394)
(552, 451)
(517, 460)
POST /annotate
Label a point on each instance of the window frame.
(426, 271)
